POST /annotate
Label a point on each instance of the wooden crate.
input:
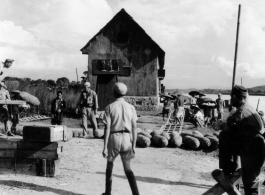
(48, 133)
(38, 167)
(18, 148)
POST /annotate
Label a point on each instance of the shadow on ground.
(39, 188)
(162, 181)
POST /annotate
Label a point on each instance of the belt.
(122, 131)
(87, 106)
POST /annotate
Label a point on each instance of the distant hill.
(258, 88)
(183, 90)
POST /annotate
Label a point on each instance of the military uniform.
(243, 138)
(120, 120)
(88, 104)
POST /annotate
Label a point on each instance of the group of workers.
(201, 111)
(242, 144)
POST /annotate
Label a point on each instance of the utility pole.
(235, 59)
(76, 75)
(237, 35)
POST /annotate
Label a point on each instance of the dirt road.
(159, 171)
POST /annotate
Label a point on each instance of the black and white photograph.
(141, 97)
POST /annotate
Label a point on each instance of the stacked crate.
(37, 153)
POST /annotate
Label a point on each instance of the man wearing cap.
(243, 138)
(4, 114)
(88, 104)
(120, 124)
(220, 104)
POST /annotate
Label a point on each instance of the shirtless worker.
(120, 123)
(243, 138)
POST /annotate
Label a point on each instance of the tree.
(63, 82)
(51, 83)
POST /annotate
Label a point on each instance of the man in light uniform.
(120, 122)
(88, 103)
(220, 104)
(243, 138)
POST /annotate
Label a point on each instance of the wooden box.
(49, 133)
(38, 167)
(18, 148)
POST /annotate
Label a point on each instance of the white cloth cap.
(87, 84)
(120, 88)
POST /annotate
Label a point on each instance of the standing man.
(88, 104)
(120, 123)
(58, 107)
(220, 104)
(14, 112)
(4, 114)
(243, 138)
(167, 101)
(179, 107)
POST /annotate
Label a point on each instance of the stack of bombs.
(157, 138)
(193, 139)
(196, 139)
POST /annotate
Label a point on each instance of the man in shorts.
(120, 123)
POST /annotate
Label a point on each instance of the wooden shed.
(122, 52)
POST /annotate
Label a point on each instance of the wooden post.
(235, 59)
(43, 167)
(237, 34)
(76, 75)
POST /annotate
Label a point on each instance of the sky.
(44, 37)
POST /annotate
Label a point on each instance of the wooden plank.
(44, 146)
(29, 166)
(6, 143)
(235, 179)
(43, 167)
(12, 102)
(11, 153)
(18, 166)
(53, 155)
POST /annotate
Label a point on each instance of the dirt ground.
(159, 171)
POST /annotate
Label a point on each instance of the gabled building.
(122, 51)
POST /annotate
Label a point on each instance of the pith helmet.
(120, 88)
(87, 84)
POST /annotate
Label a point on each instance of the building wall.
(143, 80)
